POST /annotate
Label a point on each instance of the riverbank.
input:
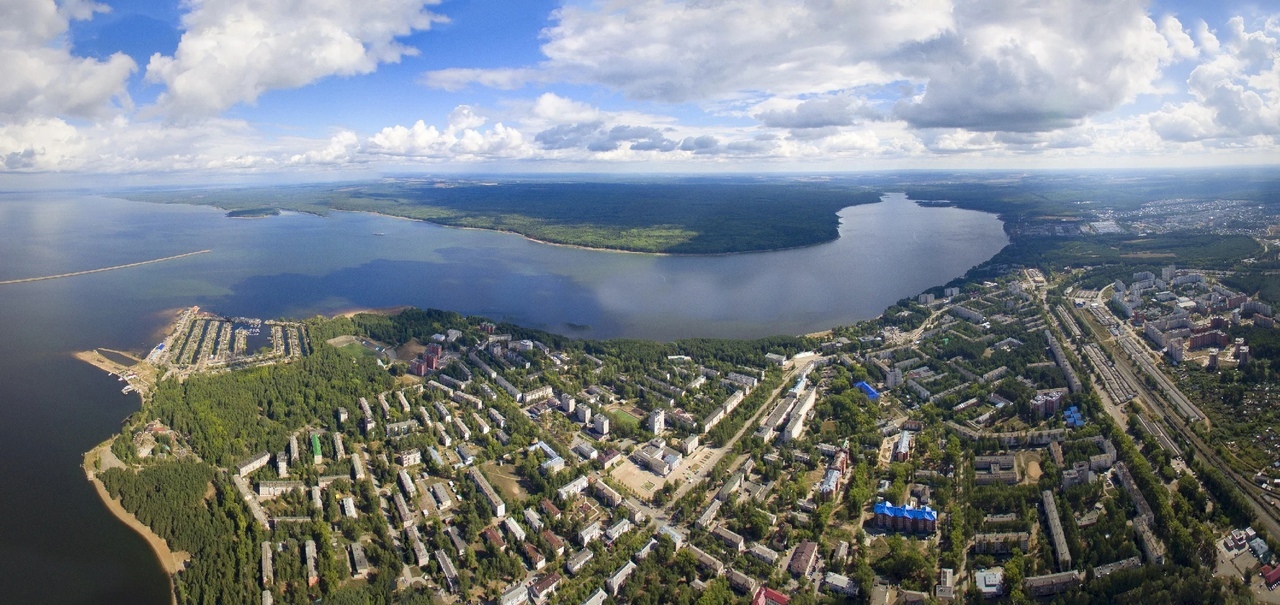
(388, 311)
(673, 219)
(591, 248)
(100, 458)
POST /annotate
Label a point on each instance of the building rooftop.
(871, 393)
(991, 581)
(909, 512)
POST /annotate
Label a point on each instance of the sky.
(210, 90)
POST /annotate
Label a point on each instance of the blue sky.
(224, 89)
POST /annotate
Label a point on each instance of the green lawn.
(624, 418)
(355, 350)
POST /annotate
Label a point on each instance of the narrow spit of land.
(86, 272)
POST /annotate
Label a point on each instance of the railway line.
(1266, 515)
(1118, 387)
(1171, 392)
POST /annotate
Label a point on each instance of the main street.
(793, 366)
(660, 515)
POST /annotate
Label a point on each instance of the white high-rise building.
(601, 424)
(657, 422)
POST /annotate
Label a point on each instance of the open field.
(356, 350)
(640, 481)
(624, 417)
(504, 480)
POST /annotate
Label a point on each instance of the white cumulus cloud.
(1002, 65)
(1179, 40)
(120, 145)
(232, 51)
(1235, 90)
(39, 76)
(1033, 65)
(679, 51)
(461, 139)
(342, 149)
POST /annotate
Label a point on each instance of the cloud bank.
(658, 83)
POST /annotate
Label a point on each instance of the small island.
(253, 213)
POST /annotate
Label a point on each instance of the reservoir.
(60, 545)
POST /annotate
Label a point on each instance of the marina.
(203, 342)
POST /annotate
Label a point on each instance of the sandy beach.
(384, 311)
(172, 561)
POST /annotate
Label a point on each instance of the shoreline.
(593, 248)
(171, 561)
(141, 375)
(387, 311)
(175, 561)
(527, 237)
(281, 211)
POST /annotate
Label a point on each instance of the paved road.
(1171, 392)
(721, 452)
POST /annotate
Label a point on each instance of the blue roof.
(866, 388)
(923, 512)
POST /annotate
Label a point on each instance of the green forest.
(686, 217)
(170, 499)
(1024, 196)
(225, 417)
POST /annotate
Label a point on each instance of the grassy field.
(355, 350)
(505, 481)
(623, 417)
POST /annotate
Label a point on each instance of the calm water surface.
(59, 545)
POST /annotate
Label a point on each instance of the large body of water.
(58, 544)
